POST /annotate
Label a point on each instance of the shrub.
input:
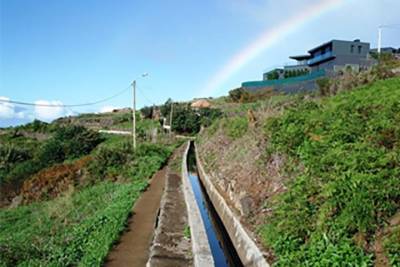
(109, 158)
(273, 75)
(208, 116)
(235, 127)
(147, 112)
(23, 170)
(18, 164)
(77, 140)
(238, 94)
(324, 86)
(35, 126)
(51, 152)
(10, 154)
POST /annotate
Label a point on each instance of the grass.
(79, 228)
(392, 245)
(75, 230)
(186, 232)
(235, 127)
(348, 187)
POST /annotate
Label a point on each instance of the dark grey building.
(324, 60)
(336, 55)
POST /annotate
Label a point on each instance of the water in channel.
(222, 249)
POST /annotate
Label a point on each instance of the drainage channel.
(222, 249)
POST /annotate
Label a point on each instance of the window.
(352, 49)
(359, 49)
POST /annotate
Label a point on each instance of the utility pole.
(134, 115)
(379, 39)
(170, 118)
(134, 111)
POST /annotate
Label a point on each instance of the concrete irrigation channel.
(156, 234)
(218, 238)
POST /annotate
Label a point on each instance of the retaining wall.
(246, 248)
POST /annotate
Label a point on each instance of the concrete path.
(133, 248)
(170, 247)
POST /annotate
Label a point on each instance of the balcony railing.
(319, 58)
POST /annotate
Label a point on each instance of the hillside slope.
(316, 178)
(71, 190)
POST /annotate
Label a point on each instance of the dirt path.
(133, 247)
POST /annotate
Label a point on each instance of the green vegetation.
(78, 228)
(186, 232)
(345, 154)
(74, 230)
(392, 246)
(22, 156)
(187, 120)
(235, 127)
(273, 75)
(80, 184)
(295, 73)
(238, 95)
(350, 79)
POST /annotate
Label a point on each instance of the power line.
(65, 105)
(145, 97)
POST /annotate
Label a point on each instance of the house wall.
(345, 56)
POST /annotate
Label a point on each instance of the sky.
(72, 51)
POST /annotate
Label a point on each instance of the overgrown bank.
(318, 175)
(77, 225)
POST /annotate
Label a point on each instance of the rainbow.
(268, 38)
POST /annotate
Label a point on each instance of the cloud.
(48, 113)
(9, 111)
(106, 109)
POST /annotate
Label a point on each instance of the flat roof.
(301, 57)
(335, 40)
(320, 46)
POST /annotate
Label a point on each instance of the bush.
(10, 154)
(273, 75)
(35, 126)
(235, 127)
(77, 140)
(208, 116)
(147, 112)
(18, 164)
(109, 158)
(51, 152)
(188, 120)
(23, 170)
(185, 120)
(324, 86)
(238, 95)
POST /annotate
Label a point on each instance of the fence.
(271, 83)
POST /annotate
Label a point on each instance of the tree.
(166, 108)
(147, 112)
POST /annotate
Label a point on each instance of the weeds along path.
(133, 247)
